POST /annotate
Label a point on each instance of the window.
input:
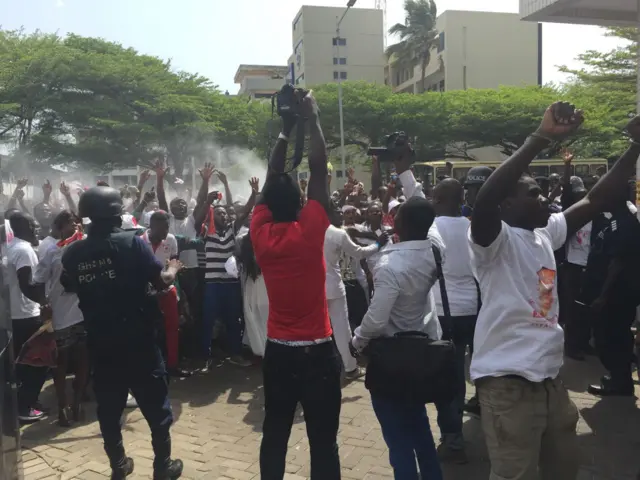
(338, 173)
(302, 175)
(298, 47)
(441, 42)
(296, 21)
(335, 75)
(341, 75)
(339, 61)
(442, 85)
(300, 79)
(339, 41)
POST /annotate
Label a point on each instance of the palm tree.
(417, 37)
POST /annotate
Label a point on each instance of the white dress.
(256, 308)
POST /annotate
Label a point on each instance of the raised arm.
(161, 171)
(610, 187)
(144, 176)
(566, 198)
(201, 209)
(66, 193)
(227, 191)
(318, 189)
(559, 121)
(254, 183)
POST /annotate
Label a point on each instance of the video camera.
(288, 101)
(395, 144)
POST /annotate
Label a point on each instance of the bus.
(430, 171)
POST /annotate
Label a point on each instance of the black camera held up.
(289, 101)
(396, 144)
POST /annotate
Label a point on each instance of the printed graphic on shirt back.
(543, 307)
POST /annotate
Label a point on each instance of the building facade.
(621, 13)
(476, 50)
(260, 81)
(320, 57)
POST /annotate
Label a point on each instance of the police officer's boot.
(121, 465)
(171, 470)
(163, 467)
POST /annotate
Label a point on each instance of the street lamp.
(350, 4)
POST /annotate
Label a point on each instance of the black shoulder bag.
(411, 367)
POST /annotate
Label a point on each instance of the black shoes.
(123, 471)
(607, 388)
(172, 471)
(472, 407)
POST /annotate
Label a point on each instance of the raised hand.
(160, 168)
(144, 176)
(350, 174)
(47, 188)
(150, 196)
(303, 185)
(21, 183)
(213, 197)
(19, 193)
(64, 189)
(560, 120)
(207, 171)
(309, 106)
(567, 156)
(221, 176)
(254, 182)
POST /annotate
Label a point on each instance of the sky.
(213, 37)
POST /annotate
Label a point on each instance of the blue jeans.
(450, 414)
(223, 301)
(406, 431)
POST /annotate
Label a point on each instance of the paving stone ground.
(218, 425)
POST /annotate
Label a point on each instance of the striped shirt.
(218, 249)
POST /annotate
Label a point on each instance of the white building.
(260, 81)
(319, 57)
(476, 50)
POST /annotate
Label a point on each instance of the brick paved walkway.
(217, 434)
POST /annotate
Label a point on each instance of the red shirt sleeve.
(314, 221)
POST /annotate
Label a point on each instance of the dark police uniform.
(111, 275)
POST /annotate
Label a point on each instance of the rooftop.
(273, 71)
(587, 12)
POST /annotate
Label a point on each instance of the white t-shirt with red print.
(517, 331)
(166, 250)
(578, 246)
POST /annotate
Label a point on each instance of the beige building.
(319, 57)
(477, 50)
(260, 81)
(621, 13)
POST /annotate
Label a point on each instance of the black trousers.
(614, 340)
(311, 376)
(143, 373)
(30, 379)
(356, 302)
(578, 322)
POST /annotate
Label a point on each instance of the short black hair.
(159, 216)
(282, 196)
(65, 217)
(20, 221)
(416, 216)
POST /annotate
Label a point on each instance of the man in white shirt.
(336, 244)
(528, 419)
(25, 313)
(403, 302)
(462, 294)
(165, 247)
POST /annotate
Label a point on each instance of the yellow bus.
(538, 168)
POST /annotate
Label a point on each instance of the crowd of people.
(511, 271)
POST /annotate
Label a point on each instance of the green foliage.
(606, 89)
(89, 102)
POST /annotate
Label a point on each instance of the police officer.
(475, 179)
(111, 272)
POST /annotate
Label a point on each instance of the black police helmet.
(477, 176)
(100, 203)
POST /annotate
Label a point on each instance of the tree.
(418, 36)
(606, 89)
